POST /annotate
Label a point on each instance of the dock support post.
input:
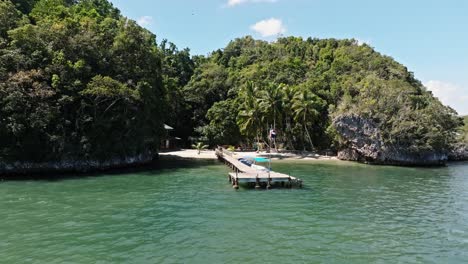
(236, 183)
(257, 182)
(269, 182)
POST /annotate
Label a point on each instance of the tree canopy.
(77, 80)
(297, 86)
(80, 81)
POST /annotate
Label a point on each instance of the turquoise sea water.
(347, 213)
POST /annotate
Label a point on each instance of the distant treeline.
(80, 81)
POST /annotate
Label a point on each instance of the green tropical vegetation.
(298, 86)
(80, 81)
(77, 81)
(199, 147)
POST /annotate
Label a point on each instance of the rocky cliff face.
(363, 142)
(21, 167)
(459, 153)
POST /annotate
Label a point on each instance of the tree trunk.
(258, 143)
(274, 118)
(288, 136)
(307, 132)
(308, 136)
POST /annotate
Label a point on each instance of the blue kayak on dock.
(251, 162)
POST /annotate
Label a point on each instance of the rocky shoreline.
(397, 159)
(20, 168)
(363, 155)
(363, 143)
(459, 153)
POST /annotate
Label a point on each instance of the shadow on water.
(458, 163)
(155, 168)
(174, 163)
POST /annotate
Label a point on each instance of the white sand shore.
(189, 154)
(210, 154)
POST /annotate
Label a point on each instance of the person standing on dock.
(272, 137)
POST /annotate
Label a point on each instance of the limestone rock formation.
(81, 166)
(362, 141)
(459, 153)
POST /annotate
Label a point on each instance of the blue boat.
(246, 161)
(251, 162)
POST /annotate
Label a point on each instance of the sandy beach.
(210, 154)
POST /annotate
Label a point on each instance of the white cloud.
(450, 94)
(269, 27)
(145, 21)
(232, 3)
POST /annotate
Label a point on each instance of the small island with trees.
(83, 88)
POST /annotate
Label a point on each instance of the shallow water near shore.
(187, 212)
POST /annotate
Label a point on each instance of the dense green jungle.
(80, 81)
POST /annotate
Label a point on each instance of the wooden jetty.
(250, 176)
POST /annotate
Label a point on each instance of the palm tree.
(305, 104)
(199, 146)
(287, 100)
(270, 99)
(250, 112)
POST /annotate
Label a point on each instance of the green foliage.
(10, 18)
(25, 6)
(306, 106)
(209, 85)
(296, 86)
(106, 88)
(231, 148)
(27, 118)
(223, 128)
(199, 147)
(78, 80)
(250, 116)
(81, 81)
(178, 68)
(50, 10)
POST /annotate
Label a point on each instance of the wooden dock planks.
(246, 174)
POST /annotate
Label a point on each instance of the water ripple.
(347, 213)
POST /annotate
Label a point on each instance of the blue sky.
(429, 37)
